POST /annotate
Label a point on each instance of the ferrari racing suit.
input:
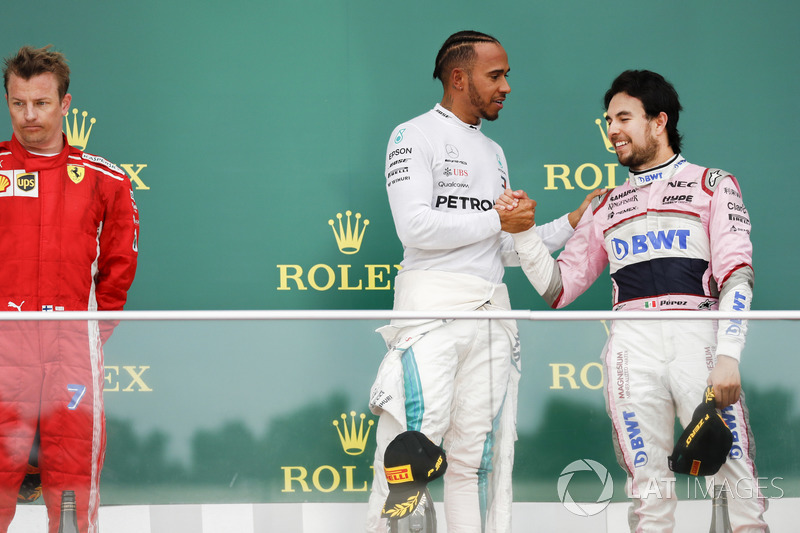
(675, 237)
(69, 241)
(453, 380)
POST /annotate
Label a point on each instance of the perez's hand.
(576, 215)
(726, 381)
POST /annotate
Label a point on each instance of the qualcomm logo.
(642, 243)
(585, 508)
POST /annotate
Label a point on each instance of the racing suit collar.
(33, 162)
(450, 117)
(663, 171)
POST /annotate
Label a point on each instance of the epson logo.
(399, 151)
(640, 244)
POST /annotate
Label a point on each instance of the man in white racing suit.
(455, 380)
(675, 236)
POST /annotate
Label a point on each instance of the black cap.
(410, 462)
(705, 443)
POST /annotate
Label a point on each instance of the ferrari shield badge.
(75, 173)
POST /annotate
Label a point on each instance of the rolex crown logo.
(78, 137)
(354, 440)
(348, 238)
(604, 132)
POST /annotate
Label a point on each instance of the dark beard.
(475, 100)
(640, 156)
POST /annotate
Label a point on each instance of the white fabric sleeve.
(409, 185)
(736, 295)
(537, 263)
(554, 234)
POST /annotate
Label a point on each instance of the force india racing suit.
(675, 237)
(452, 380)
(68, 239)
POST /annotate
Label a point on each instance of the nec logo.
(657, 240)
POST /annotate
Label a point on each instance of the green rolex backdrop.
(246, 127)
(254, 134)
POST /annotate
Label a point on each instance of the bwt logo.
(637, 442)
(658, 240)
(739, 302)
(729, 416)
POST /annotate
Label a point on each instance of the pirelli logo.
(399, 474)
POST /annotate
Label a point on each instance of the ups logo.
(26, 182)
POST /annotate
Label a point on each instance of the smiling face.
(639, 141)
(36, 112)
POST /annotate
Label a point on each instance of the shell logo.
(4, 183)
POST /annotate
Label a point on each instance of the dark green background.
(259, 121)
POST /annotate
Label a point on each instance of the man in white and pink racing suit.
(676, 236)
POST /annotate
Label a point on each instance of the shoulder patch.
(597, 201)
(102, 161)
(712, 177)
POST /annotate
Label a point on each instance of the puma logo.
(15, 306)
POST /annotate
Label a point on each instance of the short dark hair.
(30, 62)
(459, 51)
(656, 94)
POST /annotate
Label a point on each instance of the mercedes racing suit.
(675, 237)
(452, 380)
(68, 238)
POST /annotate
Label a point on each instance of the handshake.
(518, 211)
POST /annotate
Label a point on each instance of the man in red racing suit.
(676, 236)
(69, 242)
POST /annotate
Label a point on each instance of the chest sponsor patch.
(19, 183)
(5, 182)
(75, 173)
(652, 240)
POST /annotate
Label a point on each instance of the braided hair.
(458, 50)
